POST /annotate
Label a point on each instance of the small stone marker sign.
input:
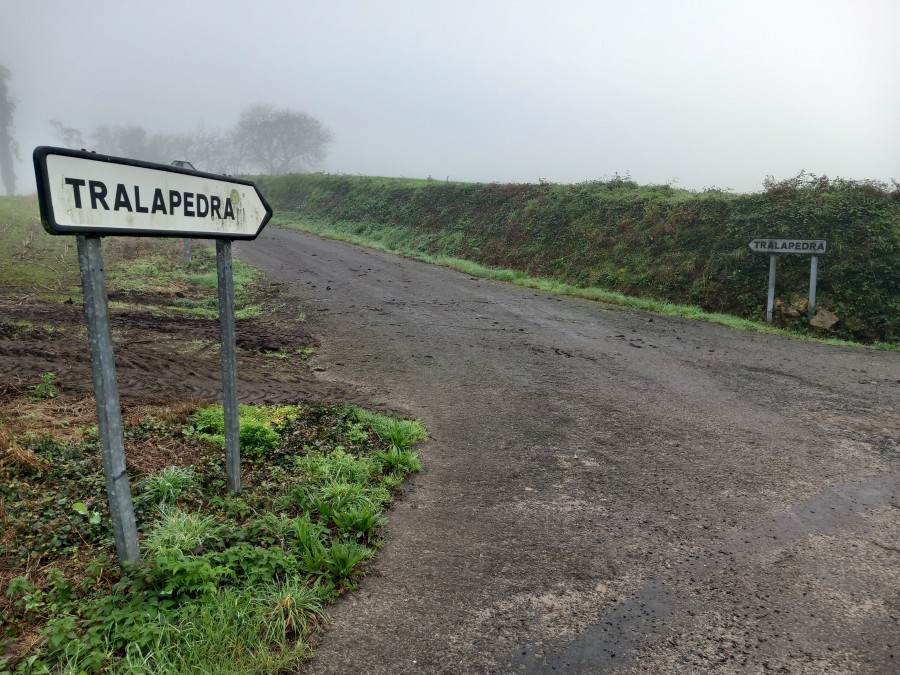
(779, 245)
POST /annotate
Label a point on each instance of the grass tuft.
(167, 485)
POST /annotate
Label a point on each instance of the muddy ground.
(607, 490)
(159, 354)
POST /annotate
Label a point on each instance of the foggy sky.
(698, 94)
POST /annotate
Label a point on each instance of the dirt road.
(607, 490)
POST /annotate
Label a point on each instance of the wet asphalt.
(606, 490)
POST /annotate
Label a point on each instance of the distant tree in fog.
(9, 150)
(264, 140)
(279, 141)
(68, 136)
(127, 141)
(206, 150)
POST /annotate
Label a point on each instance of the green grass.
(35, 262)
(30, 258)
(168, 484)
(158, 272)
(230, 631)
(393, 240)
(228, 583)
(180, 530)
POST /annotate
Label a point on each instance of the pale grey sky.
(703, 93)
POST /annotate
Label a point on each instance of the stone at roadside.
(824, 319)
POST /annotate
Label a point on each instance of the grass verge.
(386, 239)
(228, 583)
(46, 266)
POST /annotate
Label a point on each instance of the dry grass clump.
(66, 417)
(13, 453)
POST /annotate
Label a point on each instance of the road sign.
(86, 193)
(91, 195)
(775, 246)
(780, 245)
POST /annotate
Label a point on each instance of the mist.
(694, 94)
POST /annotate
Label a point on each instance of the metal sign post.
(770, 306)
(229, 366)
(813, 271)
(776, 246)
(187, 241)
(92, 195)
(106, 391)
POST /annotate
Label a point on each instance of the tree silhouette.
(279, 141)
(9, 150)
(264, 140)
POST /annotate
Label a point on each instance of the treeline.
(264, 140)
(676, 245)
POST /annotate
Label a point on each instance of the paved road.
(607, 490)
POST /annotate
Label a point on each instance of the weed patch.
(228, 583)
(45, 388)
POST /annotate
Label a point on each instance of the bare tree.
(279, 141)
(68, 136)
(207, 150)
(124, 141)
(9, 149)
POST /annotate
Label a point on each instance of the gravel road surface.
(606, 490)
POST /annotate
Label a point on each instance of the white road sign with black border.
(783, 245)
(86, 193)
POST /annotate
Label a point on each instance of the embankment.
(653, 241)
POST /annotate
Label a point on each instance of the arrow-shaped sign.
(782, 245)
(86, 193)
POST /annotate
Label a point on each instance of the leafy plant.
(327, 506)
(255, 563)
(45, 388)
(310, 548)
(399, 461)
(338, 465)
(403, 434)
(257, 438)
(400, 433)
(257, 425)
(358, 520)
(183, 573)
(82, 509)
(341, 559)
